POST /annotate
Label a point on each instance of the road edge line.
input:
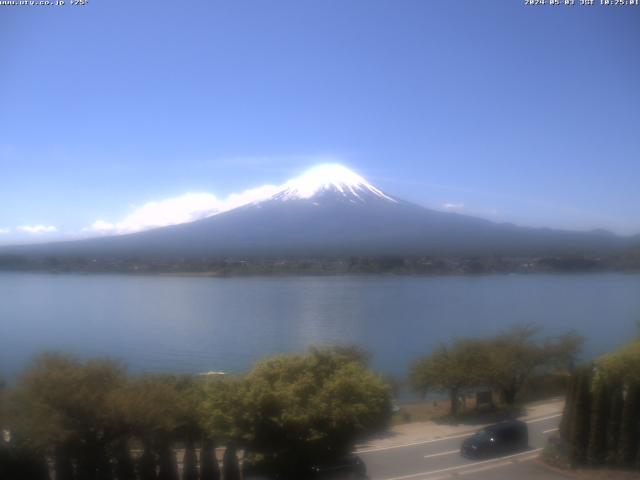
(460, 467)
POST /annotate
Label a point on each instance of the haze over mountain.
(332, 211)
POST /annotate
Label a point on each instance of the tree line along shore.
(424, 265)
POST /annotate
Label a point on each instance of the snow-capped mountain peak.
(333, 178)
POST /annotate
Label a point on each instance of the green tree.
(562, 351)
(451, 369)
(23, 463)
(624, 363)
(346, 353)
(579, 434)
(600, 408)
(124, 469)
(629, 426)
(158, 410)
(189, 422)
(568, 412)
(147, 465)
(190, 461)
(62, 464)
(222, 411)
(623, 367)
(19, 461)
(230, 465)
(613, 423)
(209, 468)
(167, 465)
(515, 355)
(61, 401)
(291, 408)
(224, 419)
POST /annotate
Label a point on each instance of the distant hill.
(334, 212)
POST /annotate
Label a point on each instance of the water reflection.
(193, 324)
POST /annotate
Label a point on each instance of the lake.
(192, 324)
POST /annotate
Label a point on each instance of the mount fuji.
(331, 183)
(332, 211)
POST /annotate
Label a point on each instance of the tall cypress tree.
(87, 464)
(616, 404)
(147, 465)
(105, 467)
(7, 469)
(62, 463)
(168, 467)
(230, 466)
(93, 460)
(629, 426)
(567, 415)
(32, 466)
(209, 468)
(579, 435)
(599, 416)
(124, 465)
(42, 468)
(189, 462)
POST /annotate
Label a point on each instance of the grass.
(438, 411)
(420, 412)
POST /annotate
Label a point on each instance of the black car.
(499, 439)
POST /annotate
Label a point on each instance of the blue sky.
(515, 113)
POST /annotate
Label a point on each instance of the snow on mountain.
(330, 178)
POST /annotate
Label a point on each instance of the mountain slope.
(331, 211)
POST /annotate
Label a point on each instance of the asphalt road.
(440, 458)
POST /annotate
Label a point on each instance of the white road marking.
(442, 453)
(498, 465)
(550, 430)
(424, 442)
(544, 418)
(462, 467)
(526, 459)
(486, 467)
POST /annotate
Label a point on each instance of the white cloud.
(4, 231)
(463, 209)
(170, 211)
(453, 206)
(37, 229)
(182, 209)
(99, 226)
(248, 196)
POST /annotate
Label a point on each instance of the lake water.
(190, 324)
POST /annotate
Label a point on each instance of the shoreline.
(299, 274)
